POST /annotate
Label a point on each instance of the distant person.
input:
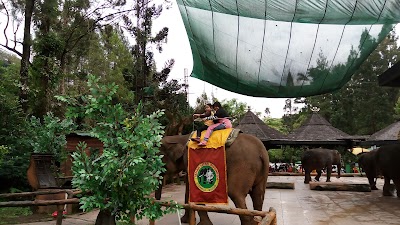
(208, 111)
(221, 121)
(355, 170)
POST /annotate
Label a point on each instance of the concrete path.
(301, 206)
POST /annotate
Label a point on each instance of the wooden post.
(272, 212)
(270, 218)
(192, 217)
(152, 222)
(60, 209)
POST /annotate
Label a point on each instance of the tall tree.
(26, 54)
(143, 78)
(152, 87)
(60, 27)
(47, 46)
(12, 122)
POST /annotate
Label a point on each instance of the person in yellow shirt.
(207, 112)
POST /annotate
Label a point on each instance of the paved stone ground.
(301, 206)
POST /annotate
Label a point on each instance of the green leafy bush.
(3, 151)
(49, 136)
(121, 179)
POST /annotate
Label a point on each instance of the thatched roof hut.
(317, 128)
(388, 135)
(251, 124)
(390, 132)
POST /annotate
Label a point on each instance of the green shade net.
(277, 48)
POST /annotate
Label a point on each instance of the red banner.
(207, 176)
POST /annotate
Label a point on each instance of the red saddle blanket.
(207, 172)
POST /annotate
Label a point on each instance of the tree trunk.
(26, 53)
(158, 192)
(105, 218)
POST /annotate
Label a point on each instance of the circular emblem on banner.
(206, 177)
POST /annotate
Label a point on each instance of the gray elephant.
(387, 160)
(247, 165)
(318, 159)
(367, 162)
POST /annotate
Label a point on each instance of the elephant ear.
(174, 150)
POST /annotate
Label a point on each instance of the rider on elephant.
(221, 121)
(208, 111)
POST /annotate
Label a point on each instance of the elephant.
(388, 162)
(247, 165)
(318, 159)
(367, 162)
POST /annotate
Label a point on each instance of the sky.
(178, 48)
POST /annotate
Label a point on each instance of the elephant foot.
(374, 188)
(387, 193)
(388, 190)
(328, 180)
(306, 182)
(205, 222)
(185, 218)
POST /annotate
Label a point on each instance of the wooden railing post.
(192, 216)
(60, 209)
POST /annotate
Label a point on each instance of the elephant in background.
(247, 165)
(388, 162)
(173, 149)
(318, 159)
(367, 162)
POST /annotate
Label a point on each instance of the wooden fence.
(60, 203)
(267, 218)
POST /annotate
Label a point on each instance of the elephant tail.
(265, 163)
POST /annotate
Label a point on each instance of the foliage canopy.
(128, 170)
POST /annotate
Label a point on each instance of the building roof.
(317, 128)
(251, 124)
(390, 132)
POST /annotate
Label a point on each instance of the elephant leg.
(372, 183)
(397, 183)
(387, 187)
(257, 196)
(204, 219)
(240, 202)
(185, 217)
(307, 176)
(328, 173)
(319, 172)
(339, 169)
